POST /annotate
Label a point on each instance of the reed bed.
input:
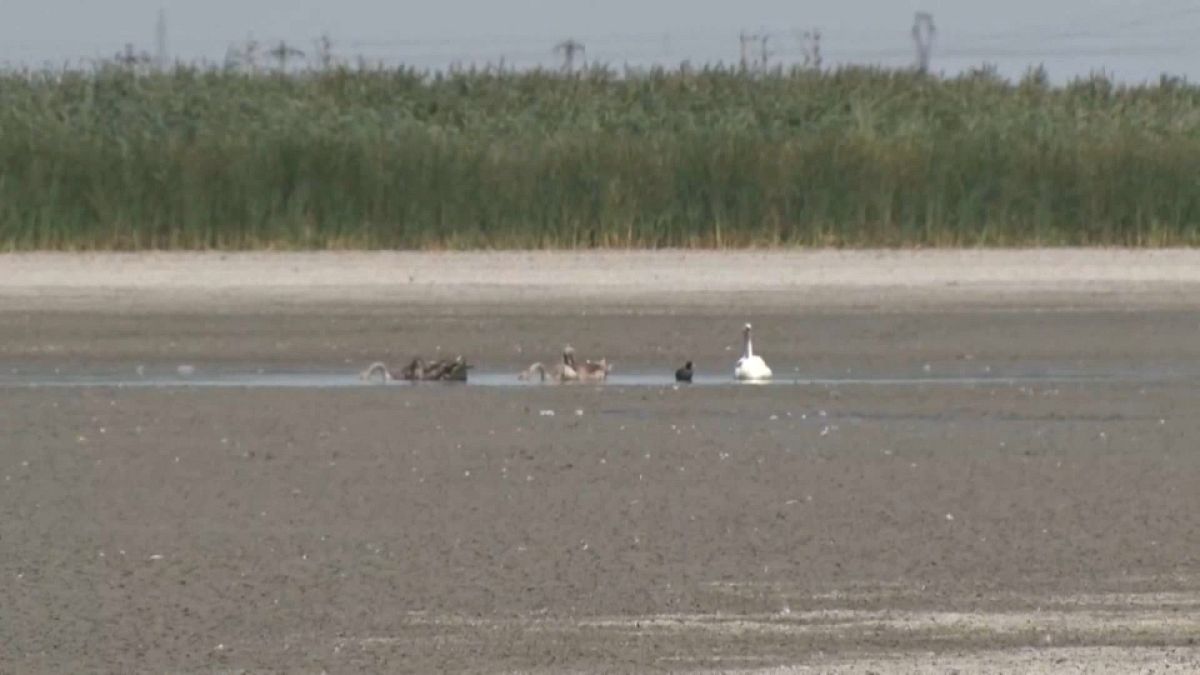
(202, 159)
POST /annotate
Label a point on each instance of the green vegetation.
(346, 158)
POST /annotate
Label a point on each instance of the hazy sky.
(1135, 38)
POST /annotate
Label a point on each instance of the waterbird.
(593, 371)
(569, 370)
(418, 370)
(561, 372)
(684, 374)
(447, 371)
(750, 368)
(588, 371)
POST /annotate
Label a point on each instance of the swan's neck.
(535, 369)
(377, 369)
(749, 351)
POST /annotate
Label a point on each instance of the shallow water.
(229, 376)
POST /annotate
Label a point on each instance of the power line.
(780, 46)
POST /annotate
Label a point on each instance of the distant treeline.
(347, 158)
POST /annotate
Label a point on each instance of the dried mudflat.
(987, 527)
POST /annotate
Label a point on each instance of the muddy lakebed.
(915, 486)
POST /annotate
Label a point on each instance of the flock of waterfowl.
(749, 368)
(419, 371)
(569, 370)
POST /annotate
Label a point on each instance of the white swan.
(750, 367)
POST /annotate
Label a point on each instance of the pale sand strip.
(961, 633)
(1028, 661)
(1110, 277)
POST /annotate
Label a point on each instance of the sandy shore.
(820, 278)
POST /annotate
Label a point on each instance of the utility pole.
(325, 52)
(923, 32)
(161, 58)
(243, 57)
(810, 46)
(131, 58)
(751, 43)
(569, 48)
(282, 52)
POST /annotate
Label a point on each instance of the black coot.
(684, 374)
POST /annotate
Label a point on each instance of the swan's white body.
(751, 368)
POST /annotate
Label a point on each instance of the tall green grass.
(394, 158)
